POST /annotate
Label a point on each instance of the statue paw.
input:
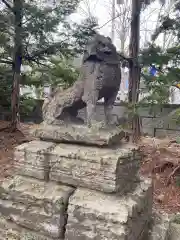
(53, 122)
(96, 125)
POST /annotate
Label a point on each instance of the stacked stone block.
(35, 205)
(63, 189)
(95, 215)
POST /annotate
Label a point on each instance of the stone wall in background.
(159, 123)
(154, 123)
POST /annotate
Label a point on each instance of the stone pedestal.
(12, 231)
(104, 169)
(35, 205)
(79, 134)
(96, 186)
(95, 215)
(32, 159)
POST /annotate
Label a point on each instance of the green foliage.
(5, 86)
(58, 72)
(26, 105)
(86, 29)
(168, 60)
(46, 31)
(177, 218)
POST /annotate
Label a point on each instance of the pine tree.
(134, 68)
(167, 60)
(59, 72)
(30, 32)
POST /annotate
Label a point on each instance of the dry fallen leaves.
(8, 141)
(162, 163)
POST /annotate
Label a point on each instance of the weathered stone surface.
(95, 215)
(101, 169)
(160, 227)
(100, 78)
(79, 134)
(174, 231)
(11, 231)
(35, 205)
(104, 169)
(32, 159)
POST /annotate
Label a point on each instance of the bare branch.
(110, 20)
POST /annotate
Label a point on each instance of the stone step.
(96, 215)
(79, 134)
(103, 169)
(11, 231)
(36, 205)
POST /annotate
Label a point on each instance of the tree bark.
(134, 69)
(113, 19)
(17, 62)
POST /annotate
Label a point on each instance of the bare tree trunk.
(122, 40)
(17, 60)
(113, 19)
(134, 70)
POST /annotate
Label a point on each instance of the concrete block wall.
(155, 121)
(159, 123)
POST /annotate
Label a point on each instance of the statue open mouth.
(108, 52)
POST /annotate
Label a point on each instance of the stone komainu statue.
(100, 78)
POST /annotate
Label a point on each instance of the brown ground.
(7, 143)
(161, 160)
(161, 157)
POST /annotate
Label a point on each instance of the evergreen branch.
(27, 20)
(49, 50)
(31, 17)
(28, 58)
(6, 61)
(39, 63)
(8, 5)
